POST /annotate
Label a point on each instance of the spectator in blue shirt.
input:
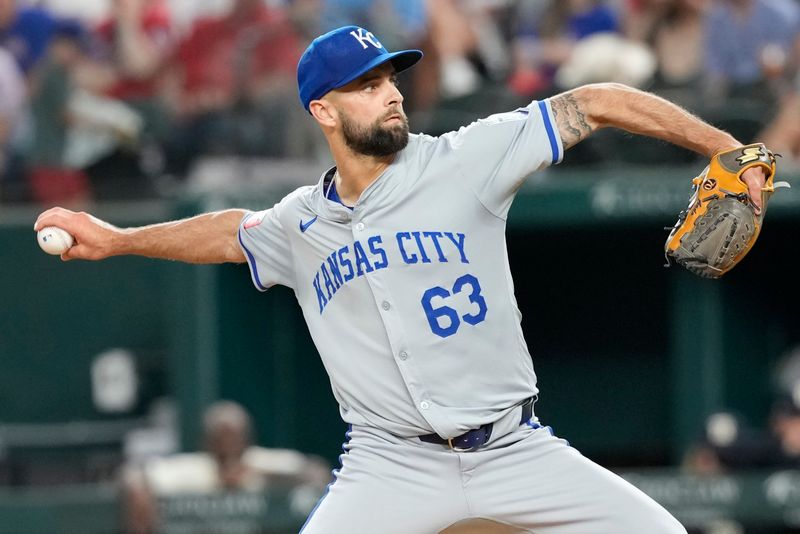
(25, 32)
(749, 43)
(545, 36)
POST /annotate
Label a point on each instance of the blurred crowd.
(230, 466)
(730, 442)
(120, 99)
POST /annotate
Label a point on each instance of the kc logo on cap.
(340, 56)
(363, 35)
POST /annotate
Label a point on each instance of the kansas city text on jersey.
(366, 256)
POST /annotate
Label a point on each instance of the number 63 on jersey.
(445, 320)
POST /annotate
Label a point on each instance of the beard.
(376, 139)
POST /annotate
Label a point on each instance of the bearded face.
(382, 138)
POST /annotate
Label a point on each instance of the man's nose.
(395, 96)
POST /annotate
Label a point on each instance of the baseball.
(54, 240)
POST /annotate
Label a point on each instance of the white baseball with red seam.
(54, 240)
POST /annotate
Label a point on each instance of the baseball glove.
(721, 225)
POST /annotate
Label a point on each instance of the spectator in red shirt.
(104, 87)
(229, 82)
(132, 45)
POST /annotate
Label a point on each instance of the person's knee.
(673, 527)
(650, 517)
(661, 523)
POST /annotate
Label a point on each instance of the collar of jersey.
(332, 207)
(325, 207)
(331, 193)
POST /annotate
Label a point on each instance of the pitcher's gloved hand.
(722, 222)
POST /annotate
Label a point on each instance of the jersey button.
(360, 226)
(404, 355)
(385, 305)
(424, 405)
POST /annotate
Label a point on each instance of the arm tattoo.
(570, 120)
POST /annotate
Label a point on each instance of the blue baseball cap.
(340, 56)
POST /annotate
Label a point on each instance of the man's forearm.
(207, 238)
(585, 109)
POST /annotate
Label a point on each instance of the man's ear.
(323, 111)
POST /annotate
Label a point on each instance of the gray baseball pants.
(526, 479)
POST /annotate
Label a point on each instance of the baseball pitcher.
(398, 259)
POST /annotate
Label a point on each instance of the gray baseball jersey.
(408, 295)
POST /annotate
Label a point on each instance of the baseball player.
(397, 257)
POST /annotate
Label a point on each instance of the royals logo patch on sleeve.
(254, 219)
